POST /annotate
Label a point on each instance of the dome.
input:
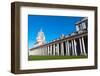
(40, 38)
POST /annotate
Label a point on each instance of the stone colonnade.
(73, 47)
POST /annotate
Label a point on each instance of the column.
(57, 48)
(84, 47)
(66, 45)
(48, 50)
(73, 53)
(68, 48)
(45, 49)
(75, 47)
(62, 48)
(53, 49)
(81, 46)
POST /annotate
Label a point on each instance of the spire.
(40, 38)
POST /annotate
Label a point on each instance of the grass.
(33, 57)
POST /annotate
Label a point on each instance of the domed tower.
(40, 39)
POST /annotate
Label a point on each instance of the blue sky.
(52, 26)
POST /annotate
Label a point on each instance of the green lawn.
(54, 57)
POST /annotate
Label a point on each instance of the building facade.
(75, 44)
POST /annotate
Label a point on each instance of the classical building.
(74, 44)
(40, 39)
